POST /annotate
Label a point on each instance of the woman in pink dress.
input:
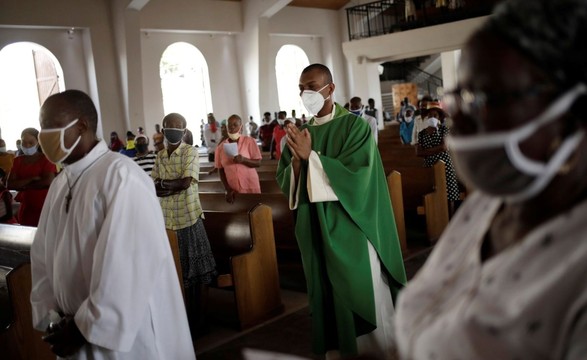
(236, 158)
(31, 176)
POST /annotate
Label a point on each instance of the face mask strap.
(551, 169)
(558, 107)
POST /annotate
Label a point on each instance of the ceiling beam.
(137, 4)
(274, 9)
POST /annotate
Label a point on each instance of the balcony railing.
(388, 16)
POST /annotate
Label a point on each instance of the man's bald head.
(323, 70)
(174, 120)
(70, 104)
(236, 118)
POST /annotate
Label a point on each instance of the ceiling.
(317, 4)
(320, 4)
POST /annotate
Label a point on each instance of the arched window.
(289, 63)
(30, 73)
(185, 83)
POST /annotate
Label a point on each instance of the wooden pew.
(18, 338)
(244, 248)
(420, 185)
(283, 220)
(394, 184)
(211, 186)
(204, 176)
(173, 242)
(20, 341)
(436, 204)
(15, 244)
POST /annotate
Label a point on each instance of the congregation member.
(6, 157)
(144, 158)
(176, 174)
(18, 148)
(236, 158)
(420, 118)
(252, 128)
(266, 132)
(31, 175)
(278, 133)
(356, 107)
(104, 283)
(212, 137)
(371, 110)
(331, 172)
(188, 137)
(6, 213)
(129, 150)
(115, 142)
(432, 147)
(158, 139)
(406, 126)
(506, 280)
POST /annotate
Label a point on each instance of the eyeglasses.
(474, 103)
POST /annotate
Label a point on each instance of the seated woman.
(507, 279)
(431, 146)
(31, 176)
(236, 158)
(6, 216)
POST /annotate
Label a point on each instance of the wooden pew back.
(244, 248)
(15, 244)
(266, 175)
(216, 186)
(21, 341)
(283, 221)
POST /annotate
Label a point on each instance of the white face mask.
(494, 163)
(235, 136)
(433, 122)
(3, 149)
(30, 150)
(281, 121)
(313, 100)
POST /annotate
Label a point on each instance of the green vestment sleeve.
(333, 235)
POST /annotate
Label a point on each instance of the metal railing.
(388, 16)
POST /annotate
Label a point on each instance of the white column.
(450, 62)
(365, 84)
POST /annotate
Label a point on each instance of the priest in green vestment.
(332, 173)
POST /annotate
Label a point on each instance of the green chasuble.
(333, 235)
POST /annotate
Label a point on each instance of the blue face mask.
(358, 112)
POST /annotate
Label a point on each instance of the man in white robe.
(101, 258)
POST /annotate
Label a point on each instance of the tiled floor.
(223, 330)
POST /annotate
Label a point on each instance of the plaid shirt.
(183, 209)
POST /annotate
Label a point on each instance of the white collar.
(326, 118)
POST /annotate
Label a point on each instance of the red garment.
(31, 200)
(278, 134)
(116, 145)
(265, 134)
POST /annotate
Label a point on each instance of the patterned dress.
(430, 140)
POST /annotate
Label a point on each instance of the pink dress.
(241, 178)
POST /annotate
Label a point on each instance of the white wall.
(220, 54)
(324, 24)
(312, 45)
(98, 59)
(201, 15)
